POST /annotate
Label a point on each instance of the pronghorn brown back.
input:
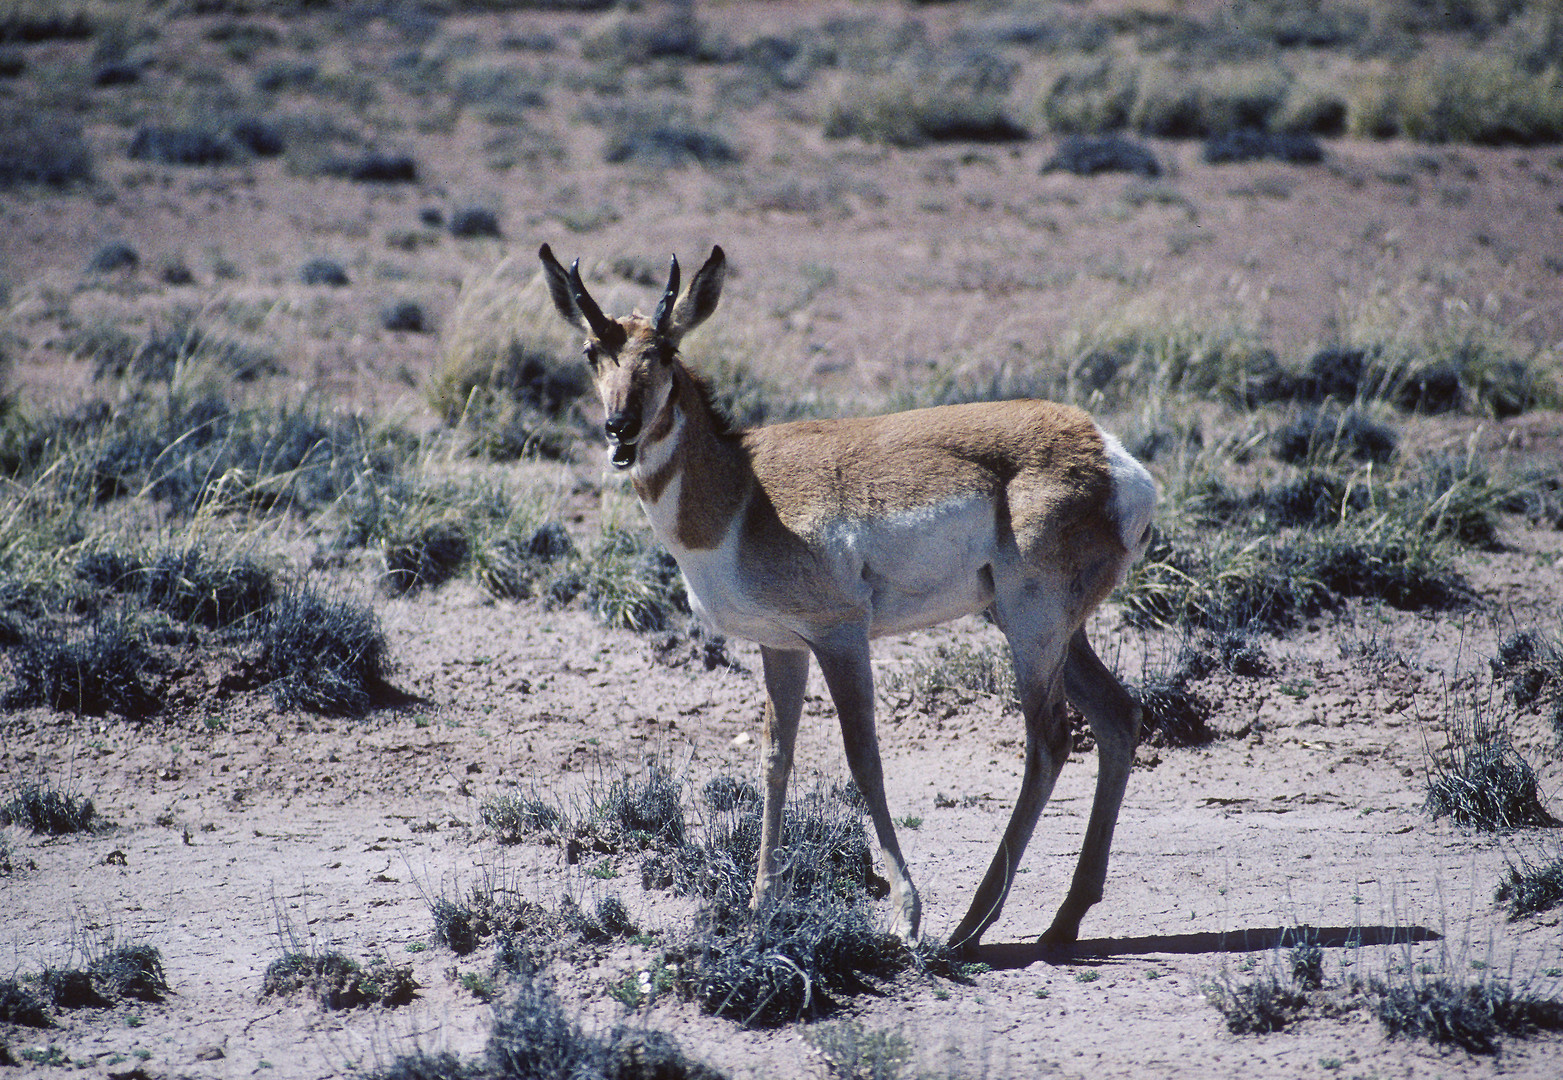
(814, 537)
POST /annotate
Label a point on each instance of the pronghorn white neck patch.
(651, 457)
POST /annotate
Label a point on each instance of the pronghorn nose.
(622, 427)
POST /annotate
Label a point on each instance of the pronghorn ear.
(699, 300)
(559, 288)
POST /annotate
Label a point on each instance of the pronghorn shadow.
(1009, 955)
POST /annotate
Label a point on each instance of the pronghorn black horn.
(605, 329)
(669, 298)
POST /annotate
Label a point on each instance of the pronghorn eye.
(593, 358)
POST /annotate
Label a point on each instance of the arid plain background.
(892, 186)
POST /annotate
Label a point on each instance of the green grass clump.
(133, 971)
(44, 809)
(632, 584)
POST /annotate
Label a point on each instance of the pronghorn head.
(632, 358)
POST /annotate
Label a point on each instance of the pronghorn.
(819, 535)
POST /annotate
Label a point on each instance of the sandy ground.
(237, 839)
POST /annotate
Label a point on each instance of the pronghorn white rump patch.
(1134, 496)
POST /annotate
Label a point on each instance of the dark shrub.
(647, 805)
(19, 1006)
(258, 136)
(724, 794)
(1257, 144)
(117, 255)
(1469, 1015)
(513, 818)
(44, 151)
(338, 982)
(1335, 374)
(374, 167)
(323, 655)
(96, 672)
(1488, 785)
(12, 63)
(550, 543)
(668, 146)
(116, 73)
(1324, 433)
(1176, 714)
(134, 971)
(29, 24)
(1432, 388)
(1262, 1005)
(404, 316)
(72, 989)
(323, 272)
(43, 809)
(432, 217)
(177, 273)
(1088, 155)
(426, 557)
(474, 222)
(532, 1038)
(454, 925)
(181, 146)
(193, 588)
(1314, 501)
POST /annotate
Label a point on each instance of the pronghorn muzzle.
(623, 430)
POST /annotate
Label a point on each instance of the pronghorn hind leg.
(1115, 721)
(786, 677)
(850, 678)
(1047, 747)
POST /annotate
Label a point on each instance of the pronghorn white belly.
(899, 572)
(920, 567)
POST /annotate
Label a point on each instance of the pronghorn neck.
(691, 475)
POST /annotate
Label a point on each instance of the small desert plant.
(1472, 1015)
(856, 1052)
(1176, 714)
(811, 944)
(513, 817)
(338, 982)
(646, 806)
(1325, 437)
(532, 1037)
(959, 670)
(911, 108)
(1482, 781)
(1267, 1002)
(1531, 887)
(1533, 664)
(43, 808)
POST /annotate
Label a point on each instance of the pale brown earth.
(291, 829)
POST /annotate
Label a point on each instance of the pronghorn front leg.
(850, 678)
(786, 676)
